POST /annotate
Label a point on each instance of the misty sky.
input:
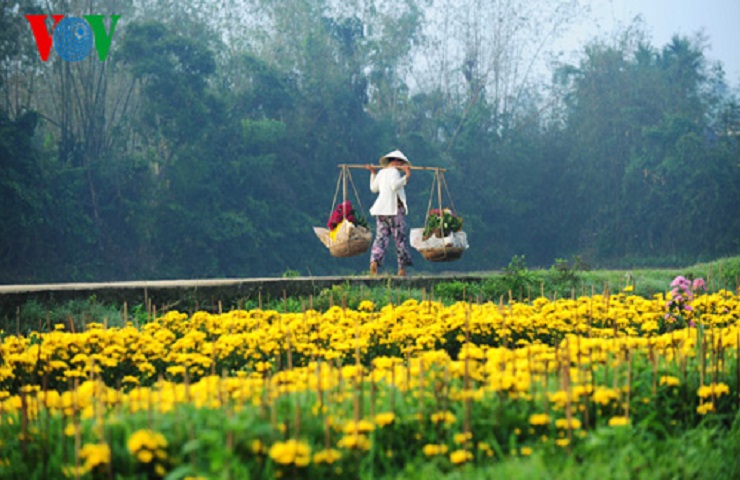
(719, 20)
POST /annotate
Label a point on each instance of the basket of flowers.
(442, 238)
(347, 233)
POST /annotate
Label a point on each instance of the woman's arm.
(374, 186)
(398, 181)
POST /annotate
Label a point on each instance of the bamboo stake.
(327, 427)
(273, 405)
(606, 367)
(629, 383)
(422, 388)
(581, 382)
(297, 419)
(466, 381)
(714, 355)
(393, 387)
(373, 389)
(230, 431)
(47, 421)
(290, 349)
(593, 379)
(654, 361)
(78, 437)
(566, 385)
(445, 388)
(703, 365)
(737, 367)
(546, 387)
(721, 357)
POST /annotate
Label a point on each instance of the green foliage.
(290, 273)
(618, 453)
(442, 224)
(37, 316)
(180, 157)
(729, 272)
(344, 295)
(565, 275)
(458, 291)
(518, 279)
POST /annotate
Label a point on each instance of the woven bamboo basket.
(350, 248)
(355, 242)
(442, 254)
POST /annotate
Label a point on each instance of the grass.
(705, 452)
(573, 279)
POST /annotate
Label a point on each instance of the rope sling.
(445, 252)
(350, 239)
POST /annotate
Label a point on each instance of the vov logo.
(72, 37)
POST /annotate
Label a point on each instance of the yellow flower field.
(312, 394)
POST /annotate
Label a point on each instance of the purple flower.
(699, 283)
(680, 281)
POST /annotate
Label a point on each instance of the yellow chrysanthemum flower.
(366, 306)
(713, 389)
(383, 419)
(461, 438)
(356, 442)
(619, 421)
(460, 456)
(669, 381)
(291, 452)
(446, 417)
(539, 419)
(431, 450)
(327, 456)
(145, 456)
(562, 423)
(95, 454)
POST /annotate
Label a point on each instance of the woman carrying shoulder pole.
(390, 210)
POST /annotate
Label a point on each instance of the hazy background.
(206, 144)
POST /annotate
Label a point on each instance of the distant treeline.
(206, 144)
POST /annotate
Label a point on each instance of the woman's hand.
(371, 168)
(406, 170)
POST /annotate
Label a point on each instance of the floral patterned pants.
(387, 225)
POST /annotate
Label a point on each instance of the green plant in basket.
(442, 223)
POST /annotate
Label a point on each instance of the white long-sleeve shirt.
(389, 183)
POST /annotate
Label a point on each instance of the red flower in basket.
(343, 210)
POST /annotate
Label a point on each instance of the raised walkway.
(230, 292)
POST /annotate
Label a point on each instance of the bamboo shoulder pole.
(412, 167)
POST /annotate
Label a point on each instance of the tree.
(644, 163)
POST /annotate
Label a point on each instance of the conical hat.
(394, 155)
